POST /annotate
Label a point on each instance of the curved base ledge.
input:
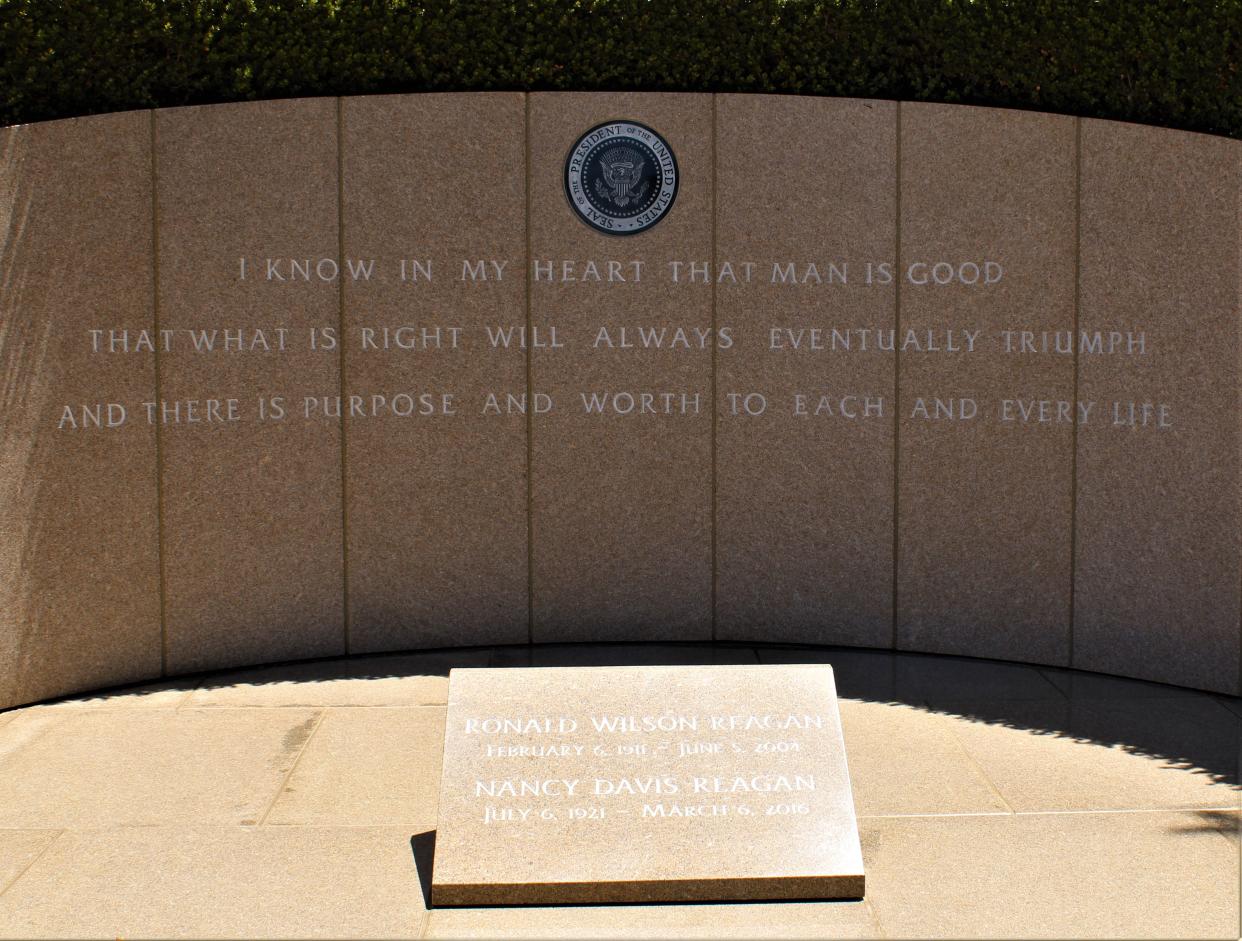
(876, 674)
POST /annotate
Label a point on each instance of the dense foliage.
(1172, 62)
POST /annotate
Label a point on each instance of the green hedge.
(1171, 62)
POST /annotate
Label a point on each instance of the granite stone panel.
(247, 230)
(987, 411)
(621, 500)
(805, 217)
(79, 564)
(1158, 526)
(300, 378)
(434, 202)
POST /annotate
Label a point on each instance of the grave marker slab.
(644, 784)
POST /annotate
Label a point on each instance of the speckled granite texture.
(798, 433)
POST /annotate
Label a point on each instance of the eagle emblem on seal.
(621, 176)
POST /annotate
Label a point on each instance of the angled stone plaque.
(644, 784)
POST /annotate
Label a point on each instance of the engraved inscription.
(620, 765)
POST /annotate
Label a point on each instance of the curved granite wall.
(1036, 460)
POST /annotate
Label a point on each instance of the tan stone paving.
(1044, 765)
(219, 882)
(1148, 875)
(367, 767)
(768, 920)
(20, 848)
(929, 773)
(151, 767)
(297, 801)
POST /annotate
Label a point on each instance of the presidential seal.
(621, 177)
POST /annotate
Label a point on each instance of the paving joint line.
(1051, 813)
(186, 827)
(1229, 712)
(979, 768)
(189, 693)
(875, 917)
(1121, 810)
(292, 768)
(55, 718)
(1224, 835)
(38, 856)
(933, 814)
(1047, 679)
(320, 707)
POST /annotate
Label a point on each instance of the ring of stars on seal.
(621, 177)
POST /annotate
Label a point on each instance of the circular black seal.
(621, 177)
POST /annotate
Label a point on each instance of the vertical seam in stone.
(1073, 559)
(715, 416)
(530, 398)
(1238, 381)
(340, 252)
(159, 397)
(896, 374)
